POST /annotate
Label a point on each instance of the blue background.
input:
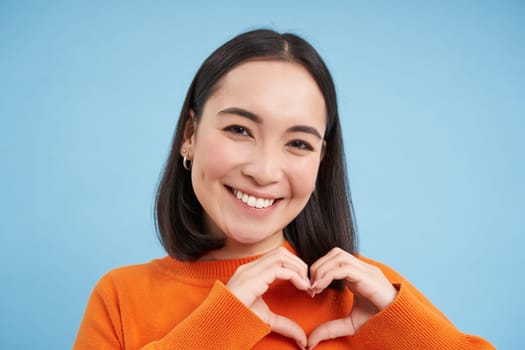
(432, 103)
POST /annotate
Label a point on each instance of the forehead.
(271, 87)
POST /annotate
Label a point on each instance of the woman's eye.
(237, 130)
(301, 145)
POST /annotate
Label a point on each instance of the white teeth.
(252, 201)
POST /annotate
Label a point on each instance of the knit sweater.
(169, 304)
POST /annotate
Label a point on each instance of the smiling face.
(256, 150)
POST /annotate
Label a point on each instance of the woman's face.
(256, 151)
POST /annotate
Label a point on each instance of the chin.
(251, 238)
(248, 240)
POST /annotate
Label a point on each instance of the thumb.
(331, 330)
(288, 328)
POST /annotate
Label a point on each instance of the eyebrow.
(256, 119)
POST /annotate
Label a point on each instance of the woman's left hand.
(371, 289)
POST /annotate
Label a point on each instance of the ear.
(189, 136)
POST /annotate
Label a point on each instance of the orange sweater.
(168, 304)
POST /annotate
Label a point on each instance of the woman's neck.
(237, 250)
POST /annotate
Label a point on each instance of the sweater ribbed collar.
(205, 272)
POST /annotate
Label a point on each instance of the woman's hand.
(371, 289)
(252, 280)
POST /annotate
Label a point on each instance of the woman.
(255, 214)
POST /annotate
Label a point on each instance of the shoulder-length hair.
(327, 220)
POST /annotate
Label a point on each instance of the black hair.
(327, 221)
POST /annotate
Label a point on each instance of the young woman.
(255, 214)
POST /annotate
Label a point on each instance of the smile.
(252, 201)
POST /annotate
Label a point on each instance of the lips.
(252, 201)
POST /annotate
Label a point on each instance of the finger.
(356, 270)
(334, 255)
(336, 258)
(288, 259)
(363, 279)
(335, 273)
(253, 279)
(337, 265)
(286, 268)
(283, 257)
(315, 266)
(331, 330)
(283, 273)
(258, 282)
(279, 258)
(288, 328)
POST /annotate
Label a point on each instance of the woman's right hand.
(252, 280)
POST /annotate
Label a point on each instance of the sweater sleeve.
(412, 322)
(215, 324)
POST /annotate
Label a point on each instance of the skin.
(261, 133)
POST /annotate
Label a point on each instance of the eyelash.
(239, 130)
(301, 145)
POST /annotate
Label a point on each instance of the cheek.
(303, 176)
(213, 158)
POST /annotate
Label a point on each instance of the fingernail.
(306, 285)
(307, 281)
(301, 345)
(314, 285)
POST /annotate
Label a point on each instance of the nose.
(265, 166)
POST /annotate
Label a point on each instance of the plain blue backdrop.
(432, 105)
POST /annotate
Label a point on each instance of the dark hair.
(327, 220)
